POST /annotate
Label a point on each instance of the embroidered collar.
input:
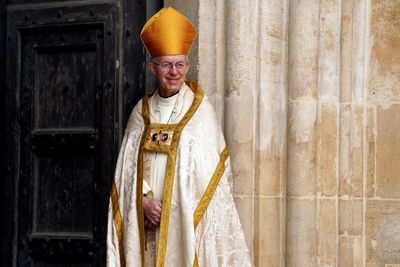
(156, 100)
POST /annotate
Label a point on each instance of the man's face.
(171, 72)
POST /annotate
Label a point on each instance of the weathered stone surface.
(351, 150)
(301, 248)
(388, 151)
(351, 217)
(245, 207)
(384, 80)
(382, 232)
(269, 236)
(302, 149)
(303, 49)
(370, 150)
(327, 232)
(243, 176)
(327, 150)
(350, 252)
(271, 149)
(308, 94)
(346, 44)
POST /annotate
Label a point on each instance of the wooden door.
(74, 70)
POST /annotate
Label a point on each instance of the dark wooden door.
(74, 70)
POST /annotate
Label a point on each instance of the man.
(171, 203)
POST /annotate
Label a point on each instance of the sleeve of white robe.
(113, 259)
(113, 253)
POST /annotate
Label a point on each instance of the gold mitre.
(168, 32)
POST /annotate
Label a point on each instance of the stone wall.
(308, 93)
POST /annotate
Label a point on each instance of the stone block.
(245, 209)
(327, 233)
(346, 52)
(350, 251)
(382, 232)
(370, 152)
(351, 150)
(350, 217)
(303, 54)
(328, 148)
(271, 173)
(271, 149)
(301, 248)
(269, 236)
(243, 165)
(329, 51)
(302, 149)
(388, 152)
(384, 80)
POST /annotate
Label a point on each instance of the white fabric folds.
(200, 225)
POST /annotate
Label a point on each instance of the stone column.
(241, 52)
(382, 135)
(270, 133)
(351, 134)
(302, 138)
(240, 109)
(308, 95)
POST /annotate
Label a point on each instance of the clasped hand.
(152, 213)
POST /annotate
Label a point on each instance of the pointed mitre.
(168, 32)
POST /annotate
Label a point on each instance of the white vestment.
(199, 222)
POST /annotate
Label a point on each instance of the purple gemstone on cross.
(164, 137)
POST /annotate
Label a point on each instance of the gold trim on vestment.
(171, 149)
(196, 262)
(209, 193)
(117, 218)
(139, 185)
(211, 187)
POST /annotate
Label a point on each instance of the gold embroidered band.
(196, 262)
(139, 185)
(117, 218)
(169, 176)
(209, 193)
(211, 187)
(152, 142)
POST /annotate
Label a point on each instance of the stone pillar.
(240, 112)
(351, 134)
(382, 140)
(302, 138)
(270, 133)
(241, 52)
(308, 95)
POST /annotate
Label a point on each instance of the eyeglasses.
(169, 65)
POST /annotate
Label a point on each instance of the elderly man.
(171, 203)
